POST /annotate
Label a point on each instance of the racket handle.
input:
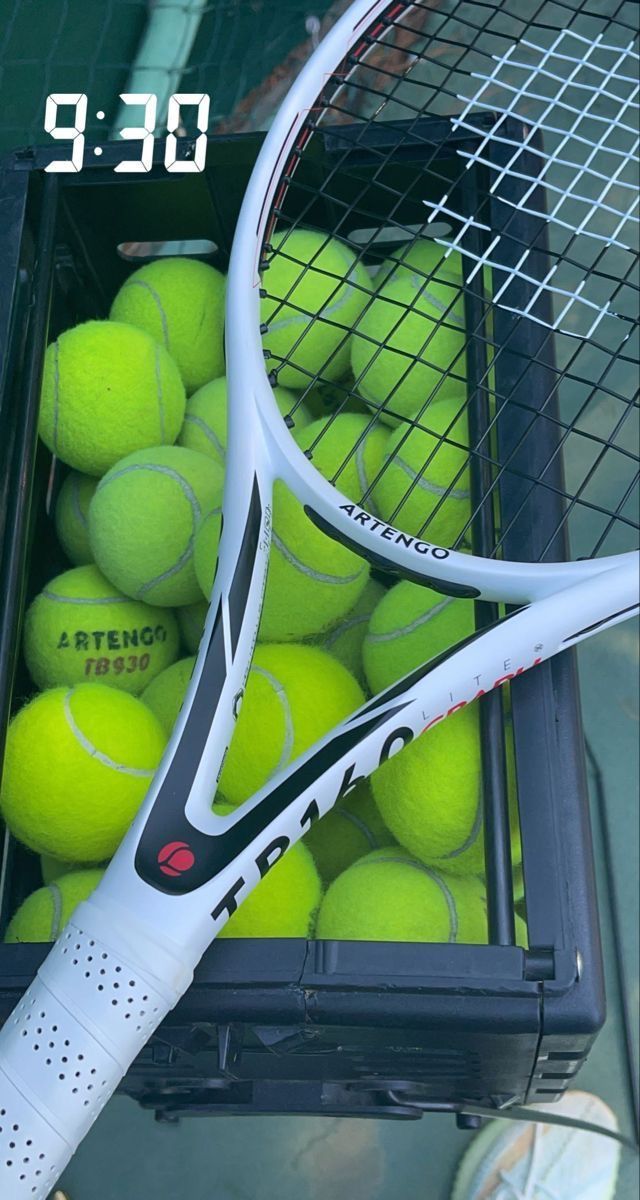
(69, 1042)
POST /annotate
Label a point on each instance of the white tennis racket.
(512, 144)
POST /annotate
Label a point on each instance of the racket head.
(440, 236)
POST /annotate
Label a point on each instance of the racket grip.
(69, 1042)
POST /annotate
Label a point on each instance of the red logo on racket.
(175, 858)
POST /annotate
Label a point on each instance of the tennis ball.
(165, 693)
(314, 291)
(312, 580)
(72, 517)
(143, 519)
(348, 450)
(191, 619)
(81, 628)
(430, 796)
(284, 903)
(408, 344)
(346, 639)
(44, 913)
(522, 933)
(409, 626)
(108, 389)
(294, 695)
(54, 868)
(390, 896)
(353, 827)
(77, 766)
(423, 485)
(205, 420)
(180, 303)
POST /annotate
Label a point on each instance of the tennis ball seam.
(158, 375)
(435, 876)
(192, 419)
(99, 755)
(84, 601)
(56, 915)
(434, 489)
(316, 576)
(375, 639)
(75, 503)
(281, 694)
(190, 497)
(358, 823)
(344, 289)
(473, 834)
(147, 287)
(344, 627)
(418, 282)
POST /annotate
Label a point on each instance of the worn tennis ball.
(430, 796)
(314, 290)
(205, 420)
(409, 626)
(346, 639)
(353, 828)
(180, 303)
(108, 390)
(143, 519)
(191, 619)
(72, 517)
(285, 902)
(44, 914)
(77, 766)
(409, 343)
(81, 628)
(423, 485)
(165, 693)
(348, 450)
(294, 695)
(388, 896)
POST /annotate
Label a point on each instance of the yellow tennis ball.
(143, 519)
(284, 903)
(108, 390)
(353, 828)
(191, 619)
(409, 343)
(348, 450)
(314, 290)
(388, 896)
(53, 868)
(409, 626)
(345, 640)
(78, 763)
(423, 486)
(430, 796)
(80, 628)
(205, 549)
(72, 517)
(294, 695)
(165, 693)
(205, 420)
(180, 303)
(44, 914)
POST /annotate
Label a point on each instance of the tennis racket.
(505, 147)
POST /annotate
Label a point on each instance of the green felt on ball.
(108, 390)
(78, 763)
(143, 520)
(205, 549)
(388, 896)
(348, 450)
(285, 902)
(430, 795)
(191, 619)
(165, 693)
(44, 914)
(180, 303)
(409, 343)
(409, 626)
(315, 290)
(80, 628)
(294, 695)
(72, 517)
(53, 868)
(353, 828)
(205, 421)
(345, 640)
(424, 484)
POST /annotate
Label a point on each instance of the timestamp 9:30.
(144, 133)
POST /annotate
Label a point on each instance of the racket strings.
(544, 234)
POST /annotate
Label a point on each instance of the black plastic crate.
(384, 1029)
